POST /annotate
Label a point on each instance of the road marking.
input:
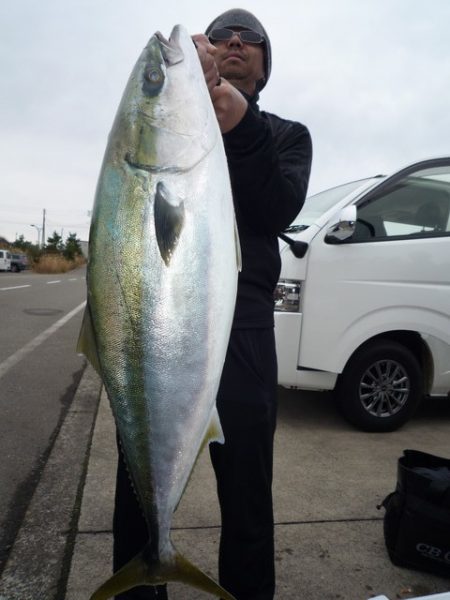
(10, 362)
(16, 287)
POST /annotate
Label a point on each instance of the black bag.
(417, 518)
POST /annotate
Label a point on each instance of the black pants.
(243, 467)
(247, 407)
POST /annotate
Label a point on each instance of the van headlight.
(287, 295)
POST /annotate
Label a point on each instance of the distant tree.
(33, 251)
(72, 247)
(55, 243)
(22, 244)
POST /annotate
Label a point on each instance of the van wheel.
(380, 387)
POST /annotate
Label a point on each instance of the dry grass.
(53, 263)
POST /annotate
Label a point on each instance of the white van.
(363, 302)
(5, 260)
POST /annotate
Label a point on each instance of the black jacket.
(269, 160)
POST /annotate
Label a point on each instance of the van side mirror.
(297, 247)
(344, 228)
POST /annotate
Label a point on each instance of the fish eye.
(153, 79)
(154, 75)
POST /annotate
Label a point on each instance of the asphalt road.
(40, 316)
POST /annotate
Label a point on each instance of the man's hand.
(206, 53)
(229, 104)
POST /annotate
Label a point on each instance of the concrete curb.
(36, 567)
(91, 561)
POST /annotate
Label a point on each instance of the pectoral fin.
(169, 221)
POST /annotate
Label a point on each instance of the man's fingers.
(201, 41)
(229, 104)
(206, 51)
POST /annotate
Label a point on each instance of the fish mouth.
(171, 48)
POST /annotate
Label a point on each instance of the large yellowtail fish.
(162, 273)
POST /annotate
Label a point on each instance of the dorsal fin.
(169, 221)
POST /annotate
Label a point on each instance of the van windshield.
(318, 204)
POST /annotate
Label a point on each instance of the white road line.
(10, 362)
(55, 281)
(16, 287)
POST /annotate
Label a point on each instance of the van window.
(416, 206)
(2, 254)
(318, 204)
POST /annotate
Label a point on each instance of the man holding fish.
(269, 162)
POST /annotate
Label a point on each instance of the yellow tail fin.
(174, 567)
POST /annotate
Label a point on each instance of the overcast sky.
(370, 79)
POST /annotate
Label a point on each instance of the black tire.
(380, 387)
(15, 268)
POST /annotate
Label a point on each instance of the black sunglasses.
(223, 35)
